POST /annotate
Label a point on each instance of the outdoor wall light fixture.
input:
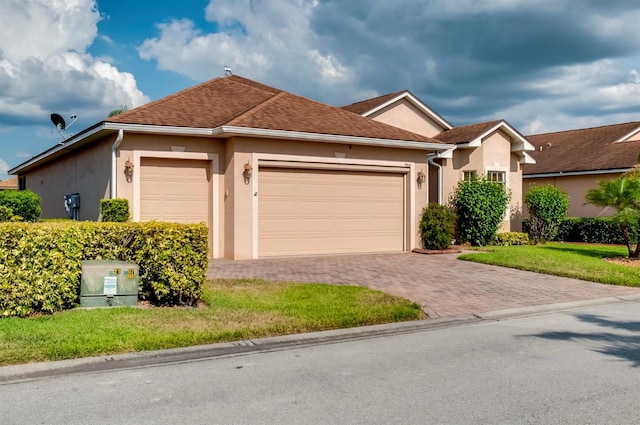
(420, 178)
(248, 170)
(128, 170)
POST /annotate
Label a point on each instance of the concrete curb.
(33, 371)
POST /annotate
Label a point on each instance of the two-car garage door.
(307, 211)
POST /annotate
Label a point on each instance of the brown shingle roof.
(10, 183)
(586, 149)
(237, 101)
(368, 104)
(465, 133)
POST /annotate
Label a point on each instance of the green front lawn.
(579, 261)
(235, 310)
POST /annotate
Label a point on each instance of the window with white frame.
(497, 176)
(469, 175)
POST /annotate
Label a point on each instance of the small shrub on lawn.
(437, 226)
(547, 206)
(40, 264)
(23, 203)
(480, 205)
(114, 210)
(511, 238)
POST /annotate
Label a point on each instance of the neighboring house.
(9, 184)
(494, 148)
(271, 173)
(575, 160)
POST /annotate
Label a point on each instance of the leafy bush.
(114, 210)
(437, 226)
(480, 205)
(40, 264)
(547, 206)
(23, 203)
(511, 238)
(6, 214)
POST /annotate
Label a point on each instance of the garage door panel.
(174, 190)
(323, 211)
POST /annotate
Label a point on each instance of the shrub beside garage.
(40, 263)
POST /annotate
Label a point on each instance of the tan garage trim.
(310, 211)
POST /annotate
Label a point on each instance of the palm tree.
(623, 195)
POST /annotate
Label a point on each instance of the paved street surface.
(443, 285)
(571, 367)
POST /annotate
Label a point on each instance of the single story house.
(575, 160)
(272, 173)
(494, 148)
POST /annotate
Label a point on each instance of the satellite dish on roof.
(61, 124)
(58, 121)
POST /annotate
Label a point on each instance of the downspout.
(430, 159)
(114, 150)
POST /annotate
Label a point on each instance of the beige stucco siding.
(86, 172)
(404, 114)
(576, 187)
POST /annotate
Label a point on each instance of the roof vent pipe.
(430, 159)
(114, 151)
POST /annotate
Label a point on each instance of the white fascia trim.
(473, 144)
(576, 173)
(329, 138)
(65, 144)
(159, 129)
(448, 154)
(628, 136)
(417, 103)
(525, 158)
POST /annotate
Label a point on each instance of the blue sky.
(543, 65)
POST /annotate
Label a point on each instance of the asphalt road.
(570, 367)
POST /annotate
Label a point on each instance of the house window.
(469, 175)
(22, 183)
(497, 176)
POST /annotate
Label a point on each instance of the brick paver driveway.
(442, 284)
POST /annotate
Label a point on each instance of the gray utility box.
(107, 283)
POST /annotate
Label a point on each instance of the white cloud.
(44, 64)
(541, 64)
(4, 167)
(269, 41)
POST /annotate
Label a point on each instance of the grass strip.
(579, 261)
(234, 309)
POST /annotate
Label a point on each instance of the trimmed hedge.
(23, 203)
(511, 238)
(40, 264)
(590, 229)
(114, 210)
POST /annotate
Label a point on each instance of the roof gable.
(610, 147)
(472, 135)
(369, 107)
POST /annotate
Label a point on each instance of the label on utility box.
(110, 285)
